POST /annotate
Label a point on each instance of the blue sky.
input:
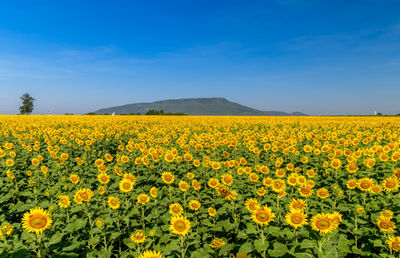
(317, 57)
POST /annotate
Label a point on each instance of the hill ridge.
(217, 106)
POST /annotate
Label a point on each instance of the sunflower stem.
(183, 249)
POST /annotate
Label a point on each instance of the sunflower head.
(36, 220)
(322, 223)
(296, 218)
(64, 201)
(125, 185)
(167, 178)
(138, 237)
(263, 216)
(180, 225)
(217, 243)
(113, 203)
(151, 254)
(175, 209)
(143, 199)
(394, 243)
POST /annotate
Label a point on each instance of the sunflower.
(153, 192)
(323, 193)
(102, 190)
(143, 199)
(10, 175)
(351, 184)
(227, 179)
(352, 168)
(322, 222)
(311, 173)
(360, 209)
(296, 218)
(263, 216)
(196, 185)
(74, 178)
(83, 195)
(253, 177)
(369, 163)
(396, 173)
(252, 205)
(64, 201)
(183, 186)
(390, 184)
(180, 225)
(10, 162)
(278, 185)
(216, 165)
(190, 175)
(44, 169)
(113, 203)
(336, 218)
(217, 243)
(138, 237)
(99, 223)
(388, 214)
(376, 189)
(213, 183)
(36, 220)
(108, 157)
(394, 243)
(6, 230)
(385, 225)
(301, 180)
(130, 177)
(297, 204)
(125, 185)
(35, 162)
(261, 191)
(169, 157)
(280, 172)
(151, 254)
(103, 178)
(365, 184)
(305, 191)
(292, 179)
(175, 209)
(194, 205)
(268, 181)
(168, 178)
(211, 211)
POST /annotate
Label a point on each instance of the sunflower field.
(140, 186)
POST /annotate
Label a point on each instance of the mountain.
(196, 107)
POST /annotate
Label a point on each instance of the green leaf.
(303, 255)
(225, 249)
(73, 247)
(260, 247)
(114, 235)
(80, 223)
(128, 242)
(308, 244)
(55, 239)
(279, 250)
(94, 240)
(246, 248)
(251, 228)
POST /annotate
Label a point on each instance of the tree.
(27, 104)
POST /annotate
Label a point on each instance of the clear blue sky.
(317, 57)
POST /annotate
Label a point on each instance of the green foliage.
(27, 104)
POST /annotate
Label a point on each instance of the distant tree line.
(151, 112)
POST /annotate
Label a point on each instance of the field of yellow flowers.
(140, 186)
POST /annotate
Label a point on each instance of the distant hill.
(196, 107)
